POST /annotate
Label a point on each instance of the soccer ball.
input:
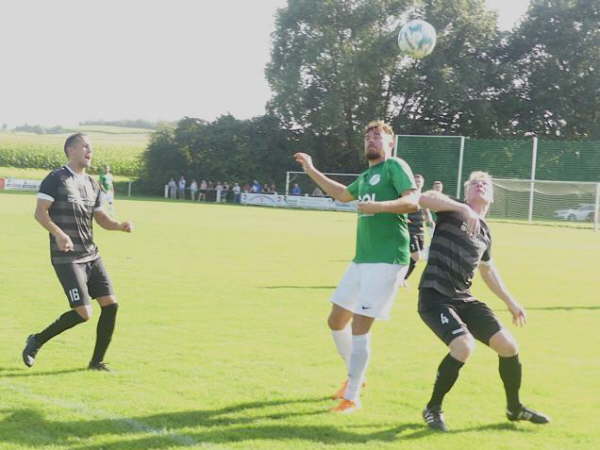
(417, 38)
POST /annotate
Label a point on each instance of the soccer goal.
(572, 202)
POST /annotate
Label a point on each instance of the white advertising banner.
(19, 184)
(296, 201)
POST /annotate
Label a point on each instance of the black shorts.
(451, 317)
(417, 242)
(82, 281)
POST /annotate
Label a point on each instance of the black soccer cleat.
(30, 350)
(99, 366)
(434, 419)
(528, 415)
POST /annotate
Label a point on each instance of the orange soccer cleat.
(339, 394)
(346, 407)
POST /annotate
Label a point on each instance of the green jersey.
(382, 238)
(106, 182)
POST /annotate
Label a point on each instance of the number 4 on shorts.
(443, 319)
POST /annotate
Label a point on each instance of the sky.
(67, 61)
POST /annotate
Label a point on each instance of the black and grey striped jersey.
(416, 222)
(454, 256)
(74, 199)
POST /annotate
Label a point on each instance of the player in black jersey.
(447, 306)
(68, 201)
(416, 229)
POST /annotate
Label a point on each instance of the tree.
(329, 72)
(555, 56)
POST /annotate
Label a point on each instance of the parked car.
(585, 211)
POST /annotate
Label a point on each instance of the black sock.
(510, 372)
(64, 322)
(411, 267)
(446, 377)
(104, 331)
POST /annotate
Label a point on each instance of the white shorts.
(369, 289)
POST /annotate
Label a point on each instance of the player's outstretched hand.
(64, 243)
(518, 314)
(368, 207)
(127, 227)
(305, 160)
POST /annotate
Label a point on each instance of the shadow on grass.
(297, 287)
(28, 427)
(14, 372)
(563, 308)
(236, 423)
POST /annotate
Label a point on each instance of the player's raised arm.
(331, 187)
(108, 223)
(492, 279)
(407, 203)
(437, 201)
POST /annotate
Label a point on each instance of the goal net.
(567, 202)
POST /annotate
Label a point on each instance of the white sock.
(343, 343)
(359, 360)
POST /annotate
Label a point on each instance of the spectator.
(210, 192)
(218, 191)
(225, 193)
(202, 193)
(273, 188)
(237, 195)
(266, 189)
(172, 189)
(181, 188)
(296, 189)
(317, 192)
(255, 187)
(246, 188)
(193, 189)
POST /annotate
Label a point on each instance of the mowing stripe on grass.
(84, 410)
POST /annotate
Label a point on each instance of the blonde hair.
(381, 125)
(476, 176)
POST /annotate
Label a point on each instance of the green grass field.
(222, 340)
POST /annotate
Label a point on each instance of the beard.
(373, 154)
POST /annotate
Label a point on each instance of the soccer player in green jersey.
(108, 190)
(386, 191)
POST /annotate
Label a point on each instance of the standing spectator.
(273, 188)
(210, 192)
(266, 189)
(296, 189)
(218, 191)
(225, 192)
(172, 189)
(202, 193)
(193, 189)
(438, 186)
(181, 188)
(246, 188)
(255, 187)
(236, 193)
